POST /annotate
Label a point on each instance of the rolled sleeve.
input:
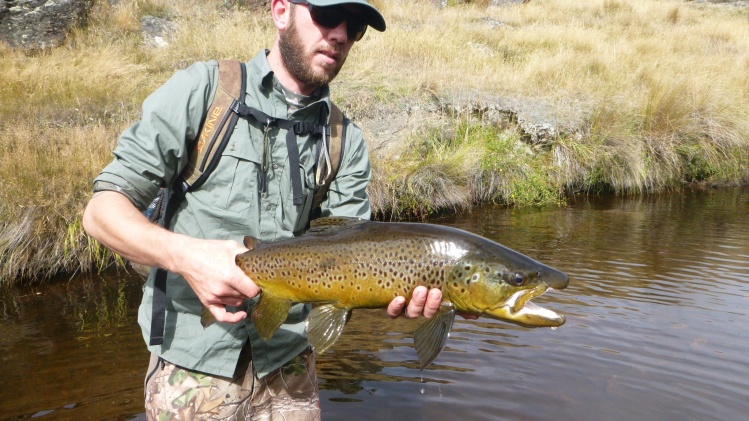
(154, 151)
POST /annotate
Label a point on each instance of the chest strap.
(293, 129)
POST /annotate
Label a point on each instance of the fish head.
(503, 290)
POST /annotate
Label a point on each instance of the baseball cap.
(372, 17)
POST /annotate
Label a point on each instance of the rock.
(40, 24)
(539, 121)
(157, 32)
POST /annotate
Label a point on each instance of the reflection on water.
(72, 350)
(657, 329)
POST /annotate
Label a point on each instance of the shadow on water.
(657, 312)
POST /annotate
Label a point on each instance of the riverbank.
(518, 104)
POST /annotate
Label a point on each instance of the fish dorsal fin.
(333, 224)
(431, 336)
(325, 325)
(269, 314)
(251, 242)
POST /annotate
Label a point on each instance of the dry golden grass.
(667, 82)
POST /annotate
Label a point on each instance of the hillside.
(487, 101)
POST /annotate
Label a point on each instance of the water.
(657, 329)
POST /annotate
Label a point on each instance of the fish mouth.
(519, 309)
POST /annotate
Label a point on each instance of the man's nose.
(340, 33)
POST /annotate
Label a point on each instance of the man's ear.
(281, 11)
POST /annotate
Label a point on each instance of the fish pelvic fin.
(431, 336)
(325, 325)
(269, 314)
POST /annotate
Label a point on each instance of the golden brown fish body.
(346, 263)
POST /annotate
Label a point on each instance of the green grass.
(666, 83)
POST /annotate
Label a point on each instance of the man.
(226, 370)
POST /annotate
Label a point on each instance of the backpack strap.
(326, 171)
(218, 124)
(214, 134)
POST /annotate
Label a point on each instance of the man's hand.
(207, 265)
(422, 302)
(210, 269)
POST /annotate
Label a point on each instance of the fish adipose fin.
(431, 336)
(269, 314)
(325, 325)
(251, 242)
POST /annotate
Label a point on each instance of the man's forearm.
(112, 220)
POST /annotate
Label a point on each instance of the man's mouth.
(330, 55)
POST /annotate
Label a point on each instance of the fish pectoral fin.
(431, 336)
(325, 325)
(269, 314)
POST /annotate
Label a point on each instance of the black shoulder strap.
(217, 127)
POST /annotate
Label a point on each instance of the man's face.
(312, 53)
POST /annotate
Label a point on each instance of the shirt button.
(269, 207)
(275, 166)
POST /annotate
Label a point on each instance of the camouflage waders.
(288, 393)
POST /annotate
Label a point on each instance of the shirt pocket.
(233, 184)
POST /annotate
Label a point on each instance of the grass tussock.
(453, 169)
(667, 83)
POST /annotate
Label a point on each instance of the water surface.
(657, 328)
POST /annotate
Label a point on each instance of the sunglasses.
(332, 16)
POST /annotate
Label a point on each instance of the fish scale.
(347, 263)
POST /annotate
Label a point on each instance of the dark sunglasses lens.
(329, 17)
(356, 29)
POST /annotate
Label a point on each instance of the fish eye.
(519, 278)
(516, 278)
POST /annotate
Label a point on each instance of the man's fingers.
(416, 305)
(246, 288)
(433, 302)
(395, 308)
(221, 315)
(423, 303)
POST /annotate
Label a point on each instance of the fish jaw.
(519, 309)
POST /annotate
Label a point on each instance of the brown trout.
(347, 263)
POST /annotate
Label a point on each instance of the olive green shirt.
(229, 205)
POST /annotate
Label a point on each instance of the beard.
(299, 62)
